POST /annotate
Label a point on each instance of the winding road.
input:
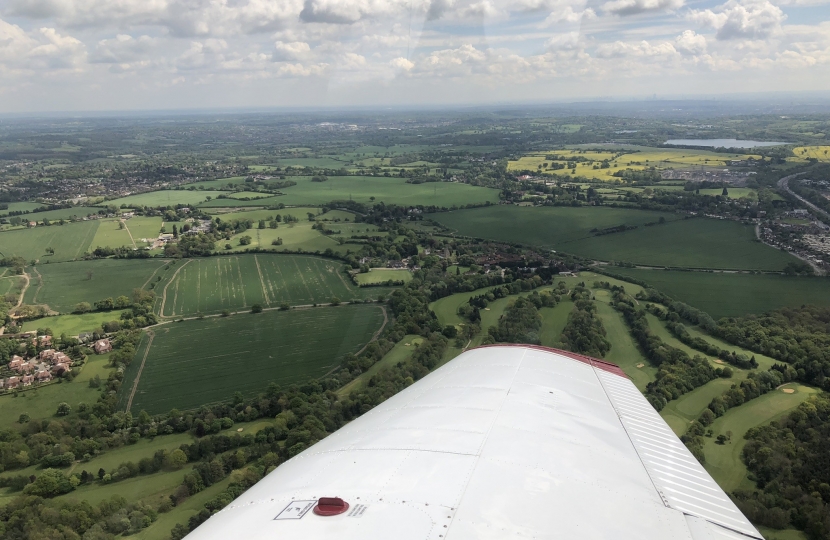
(784, 184)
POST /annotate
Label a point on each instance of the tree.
(725, 192)
(244, 240)
(175, 231)
(83, 307)
(335, 301)
(89, 275)
(63, 409)
(176, 459)
(24, 418)
(256, 308)
(122, 302)
(261, 224)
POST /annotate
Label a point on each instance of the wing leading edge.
(503, 441)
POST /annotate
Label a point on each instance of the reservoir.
(722, 143)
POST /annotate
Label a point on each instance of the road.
(784, 184)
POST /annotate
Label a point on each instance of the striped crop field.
(187, 364)
(238, 282)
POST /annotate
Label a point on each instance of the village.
(46, 365)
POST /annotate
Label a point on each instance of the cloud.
(690, 43)
(348, 11)
(620, 49)
(293, 51)
(563, 42)
(123, 49)
(402, 64)
(635, 7)
(742, 19)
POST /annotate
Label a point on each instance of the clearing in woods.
(194, 362)
(214, 284)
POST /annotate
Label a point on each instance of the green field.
(145, 227)
(62, 286)
(69, 241)
(361, 188)
(167, 197)
(734, 295)
(624, 351)
(382, 275)
(681, 412)
(723, 461)
(700, 243)
(112, 234)
(553, 322)
(20, 207)
(75, 212)
(200, 361)
(299, 212)
(237, 282)
(400, 352)
(295, 236)
(72, 325)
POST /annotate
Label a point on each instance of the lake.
(722, 143)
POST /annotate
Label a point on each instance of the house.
(60, 358)
(16, 363)
(85, 336)
(102, 346)
(43, 376)
(26, 367)
(60, 369)
(13, 382)
(47, 354)
(28, 380)
(44, 341)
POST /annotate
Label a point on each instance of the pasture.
(145, 227)
(696, 243)
(362, 188)
(166, 197)
(295, 237)
(243, 353)
(734, 295)
(299, 212)
(19, 207)
(237, 282)
(62, 286)
(69, 241)
(382, 275)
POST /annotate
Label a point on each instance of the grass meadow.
(195, 362)
(237, 282)
(72, 325)
(75, 212)
(382, 275)
(112, 234)
(69, 241)
(62, 286)
(734, 295)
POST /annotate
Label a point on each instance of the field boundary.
(262, 281)
(164, 294)
(150, 335)
(153, 274)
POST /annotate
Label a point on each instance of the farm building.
(102, 346)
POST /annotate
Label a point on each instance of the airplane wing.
(501, 442)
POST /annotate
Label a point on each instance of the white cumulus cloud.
(742, 19)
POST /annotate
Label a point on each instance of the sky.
(99, 55)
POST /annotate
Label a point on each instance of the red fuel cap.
(330, 506)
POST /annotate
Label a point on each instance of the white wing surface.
(501, 442)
